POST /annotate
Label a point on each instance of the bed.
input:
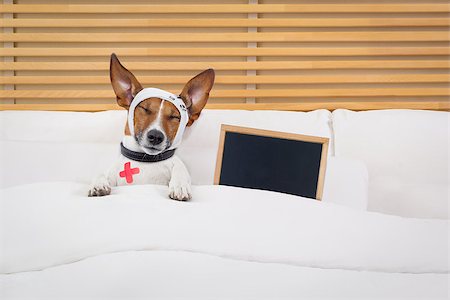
(227, 242)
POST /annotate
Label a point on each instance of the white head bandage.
(165, 96)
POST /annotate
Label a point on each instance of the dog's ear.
(124, 83)
(196, 92)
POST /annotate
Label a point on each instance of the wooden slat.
(258, 65)
(260, 79)
(261, 93)
(227, 8)
(360, 105)
(194, 52)
(301, 106)
(347, 36)
(413, 69)
(226, 23)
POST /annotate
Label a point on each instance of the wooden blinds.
(300, 55)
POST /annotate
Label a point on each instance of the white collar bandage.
(165, 96)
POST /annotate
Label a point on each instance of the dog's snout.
(155, 137)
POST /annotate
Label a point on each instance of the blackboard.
(269, 160)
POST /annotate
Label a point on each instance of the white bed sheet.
(187, 275)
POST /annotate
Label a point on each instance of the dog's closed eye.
(173, 117)
(147, 111)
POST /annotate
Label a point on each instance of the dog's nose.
(155, 137)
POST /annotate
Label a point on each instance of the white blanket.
(176, 275)
(49, 224)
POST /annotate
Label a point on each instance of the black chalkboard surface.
(269, 160)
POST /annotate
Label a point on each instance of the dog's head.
(156, 121)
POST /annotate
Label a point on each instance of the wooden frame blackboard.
(264, 159)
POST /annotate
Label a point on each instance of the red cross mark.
(128, 172)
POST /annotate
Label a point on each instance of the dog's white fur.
(171, 172)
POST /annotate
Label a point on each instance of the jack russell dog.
(154, 129)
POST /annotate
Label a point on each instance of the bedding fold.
(49, 224)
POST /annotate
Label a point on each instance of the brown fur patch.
(127, 129)
(124, 84)
(145, 114)
(195, 93)
(170, 120)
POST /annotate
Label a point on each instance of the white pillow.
(72, 127)
(426, 200)
(29, 162)
(346, 183)
(405, 151)
(77, 146)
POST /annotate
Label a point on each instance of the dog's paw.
(98, 191)
(100, 187)
(181, 192)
